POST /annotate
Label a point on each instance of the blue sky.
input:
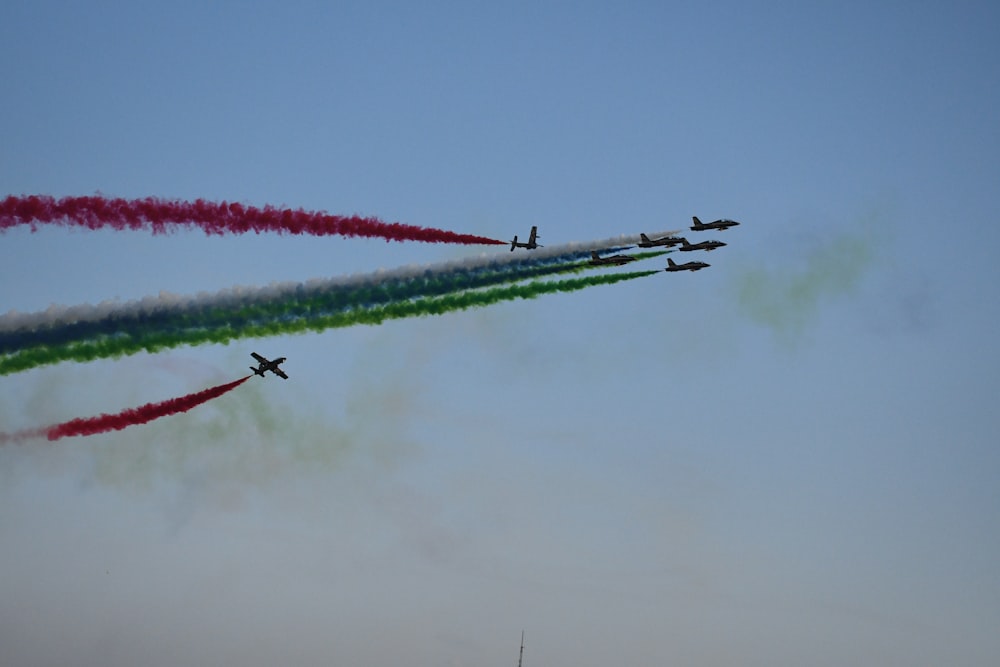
(788, 458)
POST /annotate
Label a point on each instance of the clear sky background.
(789, 458)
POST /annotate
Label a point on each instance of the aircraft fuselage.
(704, 245)
(721, 225)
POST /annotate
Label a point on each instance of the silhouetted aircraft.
(617, 260)
(663, 240)
(723, 225)
(268, 365)
(689, 266)
(704, 245)
(530, 245)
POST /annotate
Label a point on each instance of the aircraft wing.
(258, 357)
(280, 373)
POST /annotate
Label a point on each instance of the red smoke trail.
(160, 215)
(125, 418)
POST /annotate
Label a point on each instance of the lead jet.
(668, 241)
(265, 365)
(704, 245)
(689, 266)
(530, 245)
(722, 225)
(617, 260)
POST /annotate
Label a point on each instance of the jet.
(267, 365)
(663, 240)
(530, 245)
(689, 266)
(704, 245)
(617, 260)
(699, 226)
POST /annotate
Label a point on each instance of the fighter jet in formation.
(668, 241)
(530, 245)
(617, 260)
(704, 245)
(689, 266)
(721, 225)
(265, 365)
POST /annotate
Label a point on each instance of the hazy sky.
(788, 458)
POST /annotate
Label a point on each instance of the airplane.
(530, 245)
(617, 260)
(267, 365)
(722, 225)
(689, 266)
(664, 240)
(704, 245)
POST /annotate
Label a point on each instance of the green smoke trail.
(785, 298)
(650, 254)
(114, 347)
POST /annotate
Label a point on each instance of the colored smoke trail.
(650, 254)
(163, 215)
(129, 417)
(785, 299)
(254, 306)
(307, 300)
(311, 322)
(19, 329)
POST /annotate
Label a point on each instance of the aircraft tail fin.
(645, 239)
(513, 244)
(697, 222)
(670, 262)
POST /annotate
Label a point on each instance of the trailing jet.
(617, 260)
(689, 266)
(530, 245)
(663, 240)
(722, 225)
(268, 365)
(704, 245)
